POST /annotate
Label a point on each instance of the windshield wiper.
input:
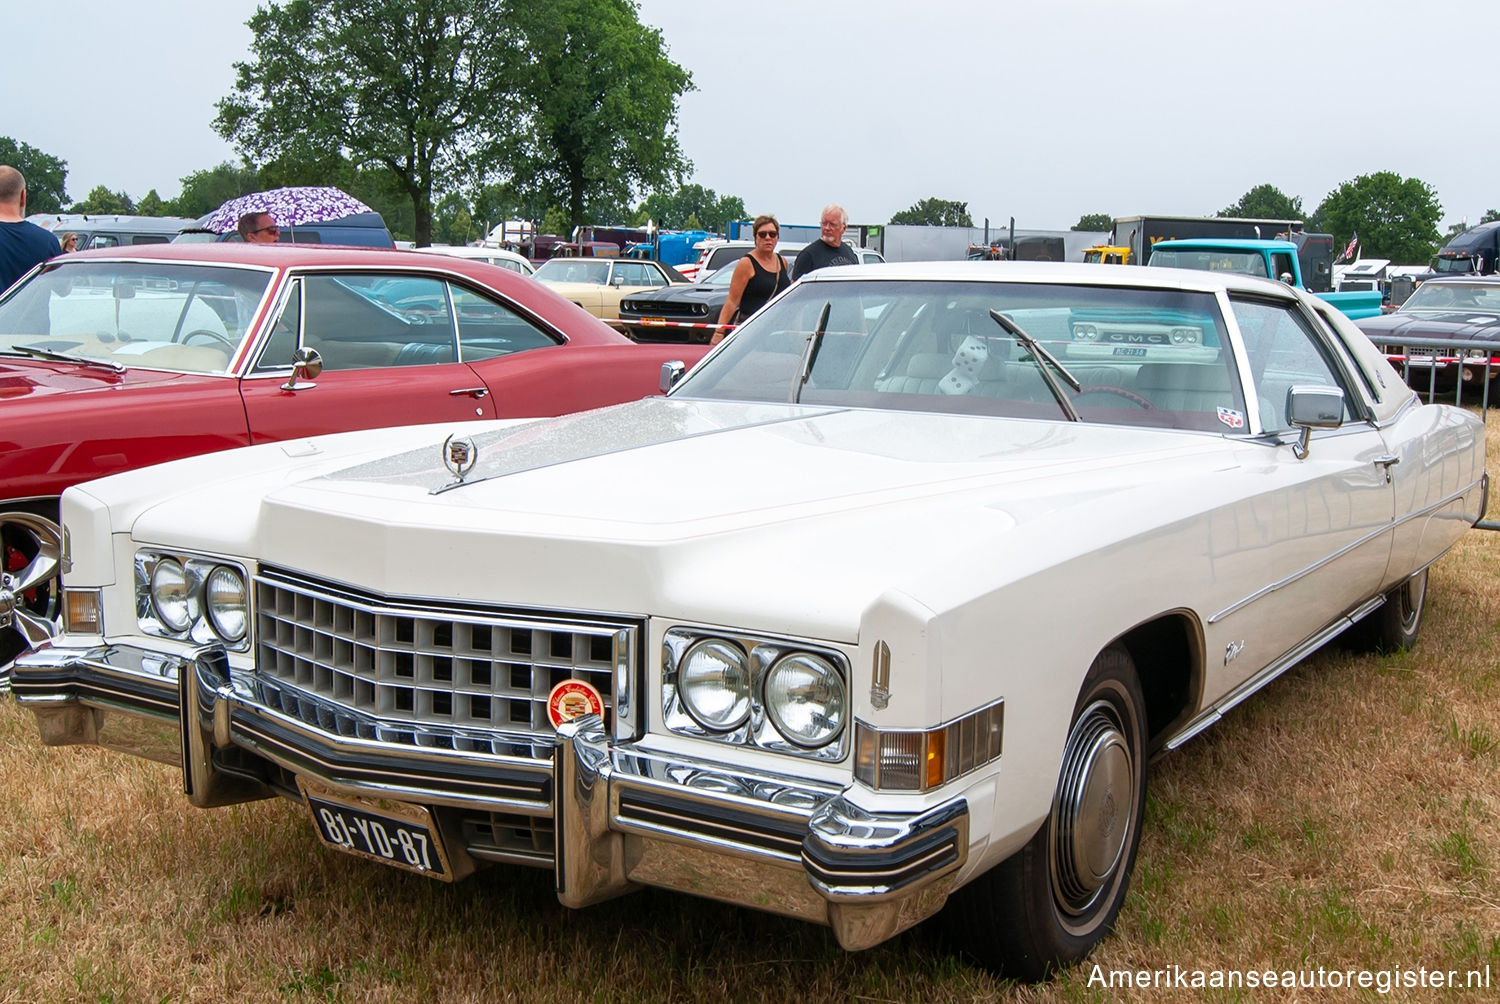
(810, 354)
(65, 357)
(1038, 355)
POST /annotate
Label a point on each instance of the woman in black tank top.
(758, 276)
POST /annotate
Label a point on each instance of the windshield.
(1240, 262)
(1433, 295)
(166, 315)
(1453, 263)
(1142, 356)
(574, 270)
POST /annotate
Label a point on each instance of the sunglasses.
(766, 233)
(265, 230)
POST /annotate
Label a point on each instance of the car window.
(574, 270)
(639, 274)
(487, 329)
(277, 354)
(1283, 352)
(183, 317)
(723, 256)
(359, 321)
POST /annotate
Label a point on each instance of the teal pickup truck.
(1273, 259)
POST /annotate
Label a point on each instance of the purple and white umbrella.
(289, 207)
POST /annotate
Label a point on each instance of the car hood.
(691, 294)
(1469, 323)
(37, 379)
(680, 505)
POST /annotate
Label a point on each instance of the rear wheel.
(1395, 624)
(1046, 907)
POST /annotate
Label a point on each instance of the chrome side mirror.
(1310, 407)
(671, 372)
(307, 364)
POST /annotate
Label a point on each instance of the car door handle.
(1387, 461)
(475, 392)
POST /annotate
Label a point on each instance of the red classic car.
(117, 359)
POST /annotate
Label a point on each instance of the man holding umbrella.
(258, 228)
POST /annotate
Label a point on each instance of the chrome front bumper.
(619, 816)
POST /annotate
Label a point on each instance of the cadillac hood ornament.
(460, 454)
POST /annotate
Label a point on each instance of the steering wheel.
(212, 336)
(1129, 395)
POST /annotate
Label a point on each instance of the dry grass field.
(1345, 818)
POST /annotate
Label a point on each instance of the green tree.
(1265, 202)
(1094, 221)
(45, 175)
(1395, 217)
(417, 89)
(935, 213)
(691, 207)
(151, 205)
(102, 200)
(204, 191)
(600, 108)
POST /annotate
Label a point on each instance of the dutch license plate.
(653, 320)
(393, 833)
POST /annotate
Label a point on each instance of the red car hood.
(24, 378)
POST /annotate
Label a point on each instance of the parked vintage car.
(684, 313)
(598, 284)
(495, 256)
(877, 611)
(1453, 311)
(111, 360)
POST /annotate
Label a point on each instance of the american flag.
(1351, 249)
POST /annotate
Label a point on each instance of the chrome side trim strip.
(1217, 710)
(1335, 555)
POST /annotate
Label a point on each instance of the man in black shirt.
(22, 244)
(830, 248)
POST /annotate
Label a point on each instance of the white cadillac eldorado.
(884, 608)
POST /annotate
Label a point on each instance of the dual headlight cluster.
(192, 598)
(773, 694)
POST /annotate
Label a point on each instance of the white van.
(106, 230)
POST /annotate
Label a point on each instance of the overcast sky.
(1042, 110)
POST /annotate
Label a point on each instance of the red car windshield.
(188, 318)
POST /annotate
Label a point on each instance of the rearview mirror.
(307, 364)
(1310, 407)
(671, 372)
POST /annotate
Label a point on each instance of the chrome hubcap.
(1091, 817)
(1410, 597)
(28, 594)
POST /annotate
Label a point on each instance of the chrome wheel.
(29, 564)
(1092, 818)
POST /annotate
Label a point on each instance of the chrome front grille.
(427, 674)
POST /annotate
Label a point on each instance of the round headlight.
(805, 699)
(1085, 332)
(225, 601)
(169, 594)
(714, 683)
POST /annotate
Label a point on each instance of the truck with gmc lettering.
(1275, 259)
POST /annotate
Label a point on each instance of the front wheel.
(30, 557)
(1046, 906)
